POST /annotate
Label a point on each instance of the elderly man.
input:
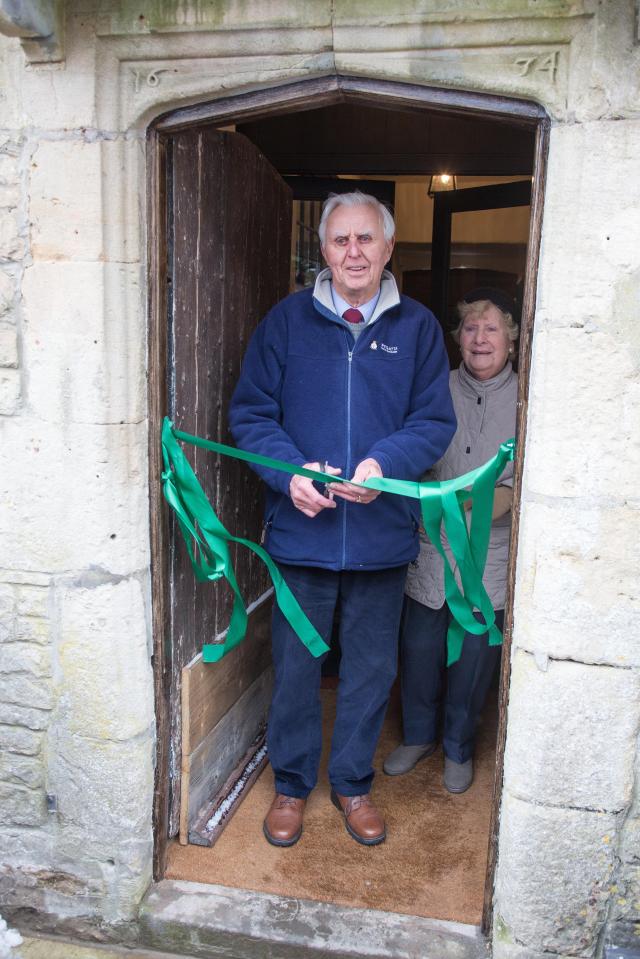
(350, 378)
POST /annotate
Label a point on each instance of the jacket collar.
(477, 387)
(323, 300)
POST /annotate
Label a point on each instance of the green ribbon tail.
(207, 545)
(443, 505)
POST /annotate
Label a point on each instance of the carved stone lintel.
(40, 26)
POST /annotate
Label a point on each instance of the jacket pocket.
(269, 520)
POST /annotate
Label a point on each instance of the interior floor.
(432, 864)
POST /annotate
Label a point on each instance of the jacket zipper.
(348, 463)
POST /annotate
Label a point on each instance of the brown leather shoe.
(363, 821)
(283, 823)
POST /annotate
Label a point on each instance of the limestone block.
(7, 600)
(32, 577)
(25, 846)
(24, 690)
(8, 346)
(171, 18)
(12, 245)
(7, 630)
(74, 498)
(7, 613)
(21, 806)
(29, 629)
(9, 196)
(7, 292)
(502, 948)
(9, 167)
(105, 678)
(576, 582)
(625, 893)
(554, 872)
(595, 709)
(630, 838)
(16, 739)
(32, 600)
(11, 714)
(123, 170)
(9, 392)
(62, 889)
(581, 440)
(68, 223)
(11, 67)
(577, 281)
(95, 372)
(24, 770)
(104, 791)
(23, 657)
(63, 99)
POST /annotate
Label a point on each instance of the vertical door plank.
(230, 223)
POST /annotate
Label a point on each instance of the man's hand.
(305, 496)
(356, 494)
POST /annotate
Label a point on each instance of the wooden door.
(229, 245)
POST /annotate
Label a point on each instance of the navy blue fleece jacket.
(309, 391)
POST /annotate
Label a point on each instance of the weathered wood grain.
(209, 690)
(217, 755)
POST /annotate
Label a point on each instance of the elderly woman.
(484, 390)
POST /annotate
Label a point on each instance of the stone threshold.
(205, 921)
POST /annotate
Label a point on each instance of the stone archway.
(290, 98)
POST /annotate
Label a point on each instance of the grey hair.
(477, 308)
(355, 199)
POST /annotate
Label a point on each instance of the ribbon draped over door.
(441, 504)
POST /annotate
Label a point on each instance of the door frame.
(289, 98)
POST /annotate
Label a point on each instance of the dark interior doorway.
(199, 244)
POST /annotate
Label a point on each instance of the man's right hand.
(305, 496)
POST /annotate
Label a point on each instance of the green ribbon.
(442, 504)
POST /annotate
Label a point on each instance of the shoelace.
(356, 803)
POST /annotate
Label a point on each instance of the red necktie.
(353, 316)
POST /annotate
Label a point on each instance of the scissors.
(323, 469)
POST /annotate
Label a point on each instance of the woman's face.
(484, 343)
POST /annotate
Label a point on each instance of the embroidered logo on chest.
(388, 349)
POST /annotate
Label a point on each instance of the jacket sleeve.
(430, 423)
(255, 413)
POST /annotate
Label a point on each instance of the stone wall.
(570, 805)
(76, 713)
(76, 703)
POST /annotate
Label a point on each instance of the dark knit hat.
(500, 298)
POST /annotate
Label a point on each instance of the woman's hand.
(356, 494)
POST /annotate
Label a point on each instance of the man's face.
(356, 251)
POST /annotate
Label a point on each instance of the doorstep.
(206, 921)
(36, 948)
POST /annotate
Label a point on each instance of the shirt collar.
(367, 309)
